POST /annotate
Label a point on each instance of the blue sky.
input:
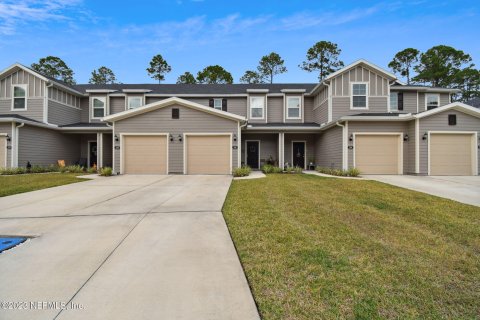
(192, 34)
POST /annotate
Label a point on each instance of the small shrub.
(92, 170)
(268, 168)
(71, 169)
(277, 170)
(352, 172)
(242, 171)
(106, 171)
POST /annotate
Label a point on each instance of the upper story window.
(217, 104)
(432, 100)
(98, 106)
(393, 101)
(257, 107)
(19, 97)
(359, 96)
(294, 108)
(134, 102)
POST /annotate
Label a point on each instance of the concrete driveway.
(464, 189)
(127, 247)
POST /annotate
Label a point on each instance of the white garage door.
(452, 154)
(3, 152)
(378, 154)
(145, 154)
(208, 154)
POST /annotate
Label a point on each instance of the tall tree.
(214, 74)
(440, 66)
(252, 77)
(186, 78)
(468, 81)
(404, 61)
(103, 75)
(54, 67)
(323, 57)
(271, 65)
(158, 68)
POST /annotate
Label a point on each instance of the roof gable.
(168, 102)
(363, 63)
(459, 106)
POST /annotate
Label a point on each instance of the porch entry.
(92, 153)
(252, 154)
(298, 154)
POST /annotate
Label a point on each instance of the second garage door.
(208, 154)
(451, 154)
(378, 154)
(145, 154)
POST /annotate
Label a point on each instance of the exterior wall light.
(9, 138)
(116, 138)
(405, 137)
(171, 138)
(180, 138)
(234, 137)
(350, 138)
(425, 136)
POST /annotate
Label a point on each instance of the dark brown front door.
(93, 153)
(253, 154)
(299, 154)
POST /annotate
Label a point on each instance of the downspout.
(344, 146)
(15, 143)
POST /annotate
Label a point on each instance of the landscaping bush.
(106, 171)
(268, 168)
(40, 169)
(352, 172)
(293, 170)
(242, 171)
(92, 170)
(72, 169)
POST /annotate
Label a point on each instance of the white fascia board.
(462, 107)
(424, 89)
(100, 91)
(195, 95)
(373, 118)
(85, 129)
(258, 90)
(289, 129)
(136, 90)
(293, 90)
(365, 62)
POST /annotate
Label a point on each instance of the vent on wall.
(175, 113)
(452, 119)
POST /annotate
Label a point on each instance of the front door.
(92, 146)
(253, 154)
(299, 154)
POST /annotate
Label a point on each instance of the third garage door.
(208, 154)
(451, 154)
(378, 154)
(145, 154)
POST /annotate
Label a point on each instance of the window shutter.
(224, 104)
(400, 101)
(210, 103)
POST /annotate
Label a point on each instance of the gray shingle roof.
(475, 102)
(217, 89)
(282, 124)
(16, 116)
(85, 125)
(378, 114)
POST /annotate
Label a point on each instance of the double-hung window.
(134, 102)
(294, 108)
(359, 96)
(98, 107)
(432, 100)
(257, 107)
(19, 97)
(393, 101)
(217, 104)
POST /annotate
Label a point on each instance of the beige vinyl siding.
(117, 104)
(235, 105)
(63, 97)
(275, 109)
(439, 122)
(61, 114)
(444, 99)
(107, 150)
(268, 146)
(149, 100)
(6, 128)
(409, 102)
(390, 127)
(36, 86)
(308, 110)
(191, 121)
(54, 146)
(421, 102)
(84, 112)
(34, 108)
(341, 107)
(309, 147)
(320, 107)
(328, 151)
(409, 166)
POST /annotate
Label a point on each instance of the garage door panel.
(377, 154)
(208, 154)
(3, 152)
(145, 154)
(451, 154)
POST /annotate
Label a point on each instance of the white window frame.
(131, 98)
(299, 108)
(104, 100)
(263, 108)
(352, 95)
(432, 94)
(24, 87)
(215, 102)
(390, 97)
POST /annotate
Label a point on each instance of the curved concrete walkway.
(128, 247)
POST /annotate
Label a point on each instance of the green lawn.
(29, 182)
(323, 248)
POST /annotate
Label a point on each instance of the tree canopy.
(323, 57)
(404, 61)
(56, 68)
(186, 78)
(158, 68)
(214, 74)
(103, 75)
(270, 65)
(252, 77)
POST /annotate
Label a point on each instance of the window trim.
(104, 100)
(24, 87)
(432, 94)
(221, 103)
(263, 108)
(299, 108)
(127, 107)
(352, 95)
(390, 101)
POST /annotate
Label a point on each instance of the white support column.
(281, 153)
(345, 150)
(99, 150)
(239, 146)
(417, 146)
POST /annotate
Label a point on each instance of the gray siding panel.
(439, 122)
(275, 109)
(54, 146)
(308, 109)
(234, 105)
(84, 105)
(410, 102)
(117, 104)
(329, 148)
(410, 165)
(268, 146)
(320, 114)
(61, 114)
(444, 99)
(341, 107)
(6, 128)
(107, 150)
(34, 108)
(191, 121)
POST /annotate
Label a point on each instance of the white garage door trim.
(204, 134)
(122, 148)
(400, 145)
(474, 147)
